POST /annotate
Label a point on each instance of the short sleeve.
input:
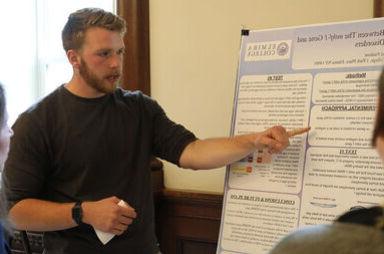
(25, 169)
(170, 138)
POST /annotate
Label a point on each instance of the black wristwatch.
(77, 213)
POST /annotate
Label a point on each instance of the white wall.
(194, 54)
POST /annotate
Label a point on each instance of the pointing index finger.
(298, 131)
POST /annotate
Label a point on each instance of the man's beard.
(98, 83)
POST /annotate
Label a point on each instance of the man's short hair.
(78, 22)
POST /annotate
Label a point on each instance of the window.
(33, 61)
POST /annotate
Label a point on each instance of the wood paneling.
(136, 69)
(378, 8)
(188, 222)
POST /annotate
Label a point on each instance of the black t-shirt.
(67, 148)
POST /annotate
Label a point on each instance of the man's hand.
(107, 216)
(276, 138)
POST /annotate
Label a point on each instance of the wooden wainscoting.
(188, 222)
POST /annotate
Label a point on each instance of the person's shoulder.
(47, 101)
(135, 98)
(41, 108)
(334, 238)
(129, 95)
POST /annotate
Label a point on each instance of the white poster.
(323, 76)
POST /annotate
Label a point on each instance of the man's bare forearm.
(217, 152)
(40, 215)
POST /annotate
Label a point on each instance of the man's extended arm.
(217, 152)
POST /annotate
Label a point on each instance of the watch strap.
(77, 213)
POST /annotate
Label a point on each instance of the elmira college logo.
(267, 50)
(282, 49)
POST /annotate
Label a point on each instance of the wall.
(194, 52)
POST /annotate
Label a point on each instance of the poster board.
(324, 76)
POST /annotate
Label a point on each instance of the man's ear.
(73, 58)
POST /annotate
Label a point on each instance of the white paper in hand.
(106, 237)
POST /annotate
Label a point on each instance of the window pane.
(33, 60)
(18, 54)
(54, 65)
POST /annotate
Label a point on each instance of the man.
(87, 145)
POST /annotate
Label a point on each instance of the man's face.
(101, 58)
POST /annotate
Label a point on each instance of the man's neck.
(82, 89)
